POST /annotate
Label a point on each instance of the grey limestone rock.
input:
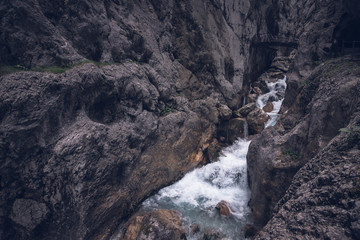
(324, 105)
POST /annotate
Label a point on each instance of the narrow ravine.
(196, 195)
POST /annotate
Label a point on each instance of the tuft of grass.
(167, 110)
(12, 69)
(290, 153)
(52, 69)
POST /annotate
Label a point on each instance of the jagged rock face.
(323, 200)
(325, 104)
(80, 150)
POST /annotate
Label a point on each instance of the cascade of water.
(246, 130)
(196, 195)
(275, 95)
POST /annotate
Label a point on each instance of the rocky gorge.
(103, 103)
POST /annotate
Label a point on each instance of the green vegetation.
(52, 69)
(148, 229)
(167, 110)
(290, 153)
(350, 130)
(353, 134)
(11, 69)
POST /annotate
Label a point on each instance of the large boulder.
(160, 224)
(245, 110)
(256, 121)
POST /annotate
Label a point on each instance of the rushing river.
(196, 195)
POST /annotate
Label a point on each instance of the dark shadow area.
(261, 57)
(347, 36)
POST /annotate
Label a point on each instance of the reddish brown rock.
(160, 224)
(223, 208)
(268, 107)
(257, 90)
(252, 97)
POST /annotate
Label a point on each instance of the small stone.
(245, 110)
(195, 228)
(250, 231)
(212, 234)
(268, 107)
(257, 90)
(223, 208)
(252, 97)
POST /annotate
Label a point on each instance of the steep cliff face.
(317, 104)
(323, 200)
(325, 104)
(80, 150)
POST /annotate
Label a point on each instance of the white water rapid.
(196, 195)
(276, 96)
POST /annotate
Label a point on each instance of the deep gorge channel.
(198, 192)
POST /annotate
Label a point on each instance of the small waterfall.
(198, 192)
(243, 101)
(275, 95)
(246, 130)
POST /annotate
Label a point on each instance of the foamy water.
(276, 96)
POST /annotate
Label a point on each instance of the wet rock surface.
(223, 208)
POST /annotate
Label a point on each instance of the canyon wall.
(147, 84)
